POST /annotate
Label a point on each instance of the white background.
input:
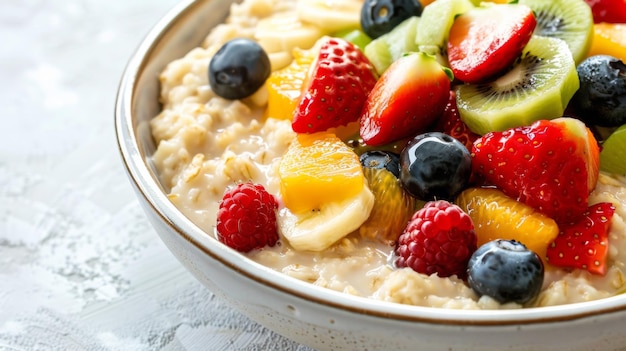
(80, 267)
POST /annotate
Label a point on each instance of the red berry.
(610, 11)
(450, 123)
(340, 79)
(439, 239)
(584, 244)
(246, 219)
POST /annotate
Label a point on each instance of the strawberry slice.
(450, 123)
(408, 98)
(610, 11)
(551, 166)
(584, 244)
(486, 40)
(334, 92)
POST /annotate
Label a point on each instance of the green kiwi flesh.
(538, 86)
(613, 154)
(570, 20)
(384, 50)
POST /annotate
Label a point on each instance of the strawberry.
(450, 123)
(584, 244)
(408, 98)
(334, 92)
(551, 166)
(610, 11)
(486, 40)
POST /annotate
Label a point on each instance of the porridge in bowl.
(342, 230)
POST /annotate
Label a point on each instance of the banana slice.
(330, 15)
(279, 34)
(318, 230)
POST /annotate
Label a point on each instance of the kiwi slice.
(538, 86)
(384, 50)
(613, 154)
(570, 20)
(436, 21)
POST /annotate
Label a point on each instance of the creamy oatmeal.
(206, 143)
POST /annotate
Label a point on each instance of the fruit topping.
(439, 239)
(551, 166)
(384, 50)
(601, 99)
(450, 123)
(238, 69)
(393, 206)
(610, 11)
(435, 24)
(435, 166)
(497, 216)
(337, 85)
(355, 36)
(584, 244)
(569, 20)
(613, 154)
(246, 218)
(609, 39)
(323, 187)
(506, 271)
(486, 40)
(538, 86)
(379, 17)
(408, 97)
(381, 159)
(330, 15)
(284, 86)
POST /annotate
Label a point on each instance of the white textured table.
(80, 267)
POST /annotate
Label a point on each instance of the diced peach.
(609, 39)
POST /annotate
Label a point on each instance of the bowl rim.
(148, 188)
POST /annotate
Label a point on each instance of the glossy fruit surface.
(486, 40)
(380, 159)
(238, 69)
(435, 166)
(584, 244)
(246, 218)
(335, 89)
(497, 216)
(284, 86)
(379, 17)
(613, 154)
(439, 239)
(506, 271)
(450, 123)
(537, 165)
(393, 206)
(609, 39)
(611, 11)
(601, 98)
(408, 97)
(318, 169)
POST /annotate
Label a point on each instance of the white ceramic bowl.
(315, 316)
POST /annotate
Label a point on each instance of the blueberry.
(435, 166)
(505, 270)
(381, 16)
(382, 159)
(601, 98)
(238, 69)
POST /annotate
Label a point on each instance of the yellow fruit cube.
(609, 39)
(318, 169)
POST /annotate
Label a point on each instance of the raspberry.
(439, 239)
(246, 219)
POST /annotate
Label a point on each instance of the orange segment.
(318, 169)
(284, 86)
(497, 216)
(609, 39)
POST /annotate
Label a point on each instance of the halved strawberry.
(450, 123)
(584, 244)
(610, 11)
(549, 165)
(337, 85)
(407, 98)
(486, 40)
